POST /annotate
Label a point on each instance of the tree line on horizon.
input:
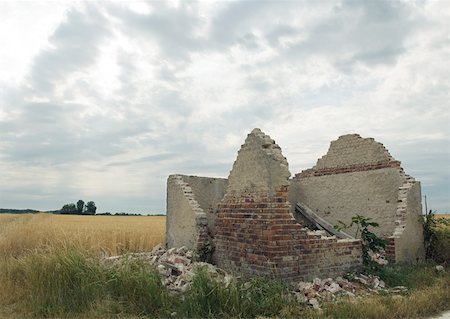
(80, 208)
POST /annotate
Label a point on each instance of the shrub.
(436, 238)
(205, 252)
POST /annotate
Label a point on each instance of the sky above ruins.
(103, 100)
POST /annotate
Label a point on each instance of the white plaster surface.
(340, 197)
(182, 210)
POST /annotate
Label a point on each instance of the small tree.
(370, 241)
(80, 207)
(91, 208)
(69, 209)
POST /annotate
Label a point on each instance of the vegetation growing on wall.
(371, 243)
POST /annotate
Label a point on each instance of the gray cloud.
(370, 32)
(74, 46)
(172, 28)
(290, 68)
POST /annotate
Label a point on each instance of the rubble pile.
(177, 268)
(330, 289)
(175, 265)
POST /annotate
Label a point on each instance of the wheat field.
(109, 235)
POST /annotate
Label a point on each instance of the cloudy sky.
(103, 100)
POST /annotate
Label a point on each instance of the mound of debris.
(330, 289)
(177, 267)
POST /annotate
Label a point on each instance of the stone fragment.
(304, 286)
(313, 302)
(171, 251)
(182, 250)
(398, 289)
(333, 288)
(439, 268)
(375, 283)
(311, 294)
(300, 297)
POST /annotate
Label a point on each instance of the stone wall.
(256, 233)
(191, 209)
(208, 193)
(359, 176)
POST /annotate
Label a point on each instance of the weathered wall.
(256, 233)
(408, 234)
(181, 214)
(208, 193)
(260, 167)
(337, 197)
(191, 208)
(359, 176)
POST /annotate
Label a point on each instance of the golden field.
(110, 235)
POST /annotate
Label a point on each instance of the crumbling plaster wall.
(359, 176)
(337, 197)
(408, 234)
(191, 208)
(208, 193)
(259, 168)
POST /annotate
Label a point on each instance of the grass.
(429, 294)
(258, 297)
(111, 235)
(70, 282)
(49, 264)
(50, 267)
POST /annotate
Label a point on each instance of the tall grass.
(50, 267)
(111, 235)
(207, 298)
(71, 282)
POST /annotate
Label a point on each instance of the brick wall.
(257, 235)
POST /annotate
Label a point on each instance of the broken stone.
(311, 294)
(439, 268)
(376, 283)
(303, 286)
(182, 250)
(398, 289)
(171, 251)
(301, 297)
(313, 302)
(333, 288)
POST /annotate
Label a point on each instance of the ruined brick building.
(252, 218)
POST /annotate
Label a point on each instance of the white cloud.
(102, 102)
